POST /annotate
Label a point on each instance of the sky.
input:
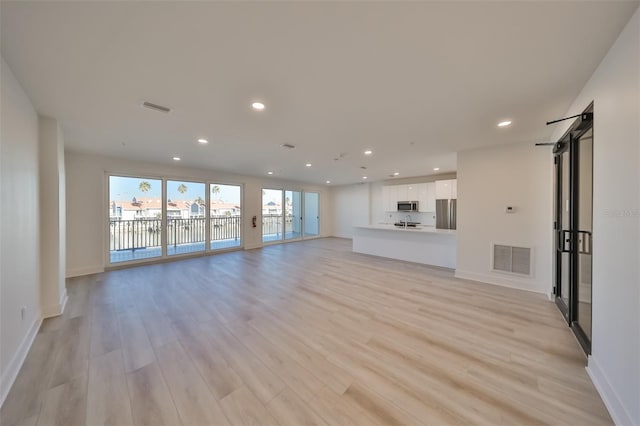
(125, 188)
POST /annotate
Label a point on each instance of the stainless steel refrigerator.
(446, 214)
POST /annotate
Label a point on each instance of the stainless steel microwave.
(407, 206)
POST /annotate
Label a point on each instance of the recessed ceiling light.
(328, 181)
(203, 141)
(176, 158)
(269, 172)
(435, 169)
(364, 177)
(259, 106)
(396, 173)
(504, 123)
(368, 152)
(308, 164)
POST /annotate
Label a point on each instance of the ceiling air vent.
(287, 146)
(156, 107)
(516, 260)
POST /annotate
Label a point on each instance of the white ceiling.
(415, 82)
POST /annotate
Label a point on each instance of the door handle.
(584, 242)
(564, 238)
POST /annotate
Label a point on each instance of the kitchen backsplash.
(423, 218)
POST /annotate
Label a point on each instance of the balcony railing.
(271, 224)
(142, 238)
(146, 233)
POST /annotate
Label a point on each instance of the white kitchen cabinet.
(390, 198)
(454, 189)
(445, 189)
(425, 193)
(412, 192)
(385, 198)
(402, 193)
(427, 197)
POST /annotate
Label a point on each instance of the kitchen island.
(422, 244)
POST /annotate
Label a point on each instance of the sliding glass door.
(152, 218)
(186, 217)
(311, 214)
(289, 215)
(226, 216)
(272, 215)
(135, 218)
(293, 215)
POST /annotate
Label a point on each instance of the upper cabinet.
(401, 193)
(412, 192)
(446, 189)
(423, 193)
(427, 197)
(389, 198)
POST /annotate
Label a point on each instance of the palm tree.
(144, 186)
(199, 201)
(215, 190)
(182, 188)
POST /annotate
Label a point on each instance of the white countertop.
(423, 229)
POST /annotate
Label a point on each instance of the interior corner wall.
(614, 88)
(489, 180)
(19, 227)
(86, 202)
(52, 218)
(351, 208)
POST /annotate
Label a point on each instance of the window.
(135, 215)
(225, 214)
(289, 215)
(194, 213)
(186, 219)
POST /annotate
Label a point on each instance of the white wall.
(52, 218)
(19, 225)
(87, 203)
(615, 89)
(489, 180)
(351, 208)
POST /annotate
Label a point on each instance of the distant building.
(151, 208)
(272, 208)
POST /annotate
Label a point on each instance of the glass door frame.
(163, 237)
(283, 216)
(560, 149)
(567, 240)
(304, 215)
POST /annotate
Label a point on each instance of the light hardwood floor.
(297, 334)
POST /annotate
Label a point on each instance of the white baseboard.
(88, 270)
(57, 309)
(617, 410)
(10, 374)
(63, 301)
(504, 281)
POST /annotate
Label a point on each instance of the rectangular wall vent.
(516, 260)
